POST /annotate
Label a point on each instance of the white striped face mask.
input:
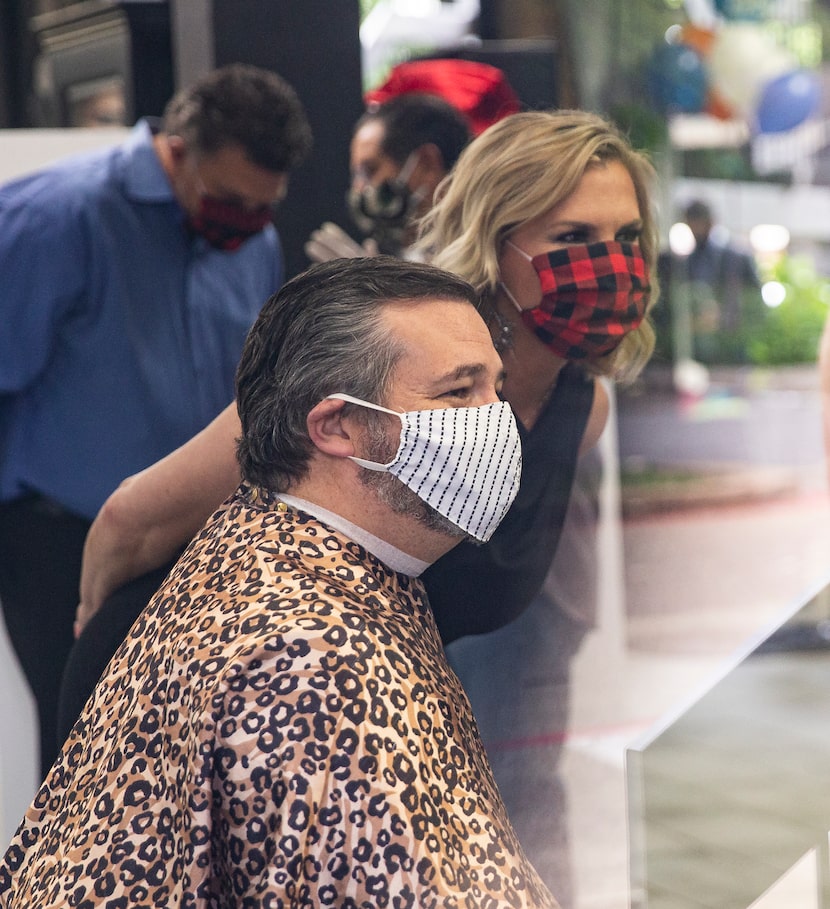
(465, 462)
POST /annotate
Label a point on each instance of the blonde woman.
(549, 216)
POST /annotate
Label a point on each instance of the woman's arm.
(152, 514)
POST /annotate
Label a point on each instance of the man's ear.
(431, 168)
(327, 429)
(178, 149)
(432, 161)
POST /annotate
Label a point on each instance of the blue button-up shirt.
(119, 333)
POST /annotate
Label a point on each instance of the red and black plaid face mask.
(226, 225)
(592, 296)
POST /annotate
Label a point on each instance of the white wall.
(25, 150)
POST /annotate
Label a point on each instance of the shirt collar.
(390, 555)
(144, 178)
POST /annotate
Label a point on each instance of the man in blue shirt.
(130, 279)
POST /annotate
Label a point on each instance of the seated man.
(281, 727)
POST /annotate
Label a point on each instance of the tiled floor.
(736, 790)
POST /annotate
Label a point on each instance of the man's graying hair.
(246, 106)
(322, 333)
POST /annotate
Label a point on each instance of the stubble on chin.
(396, 495)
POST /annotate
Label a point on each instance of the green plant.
(790, 332)
(646, 130)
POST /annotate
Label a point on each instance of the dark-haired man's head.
(330, 383)
(400, 152)
(698, 216)
(227, 144)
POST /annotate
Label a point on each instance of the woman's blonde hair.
(515, 171)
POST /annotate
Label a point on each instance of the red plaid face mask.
(592, 296)
(226, 225)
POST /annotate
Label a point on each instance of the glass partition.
(727, 797)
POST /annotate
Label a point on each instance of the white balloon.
(743, 58)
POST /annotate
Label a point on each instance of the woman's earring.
(503, 335)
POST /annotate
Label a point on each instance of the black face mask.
(386, 211)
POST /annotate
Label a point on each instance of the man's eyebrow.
(462, 372)
(465, 371)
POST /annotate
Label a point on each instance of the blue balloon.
(745, 10)
(787, 101)
(676, 79)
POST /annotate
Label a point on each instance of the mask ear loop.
(349, 399)
(369, 465)
(405, 173)
(408, 166)
(521, 252)
(504, 287)
(509, 295)
(374, 207)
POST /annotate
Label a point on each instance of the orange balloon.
(699, 38)
(717, 107)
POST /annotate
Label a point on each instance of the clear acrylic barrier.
(729, 800)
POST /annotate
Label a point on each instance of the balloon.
(743, 58)
(787, 101)
(717, 107)
(754, 10)
(676, 79)
(701, 39)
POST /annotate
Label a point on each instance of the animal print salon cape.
(279, 729)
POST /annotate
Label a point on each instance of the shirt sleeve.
(43, 264)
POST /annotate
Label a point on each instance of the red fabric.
(592, 296)
(480, 91)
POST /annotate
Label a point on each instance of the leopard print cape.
(279, 729)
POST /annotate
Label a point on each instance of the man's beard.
(395, 494)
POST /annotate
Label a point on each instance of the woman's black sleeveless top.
(474, 589)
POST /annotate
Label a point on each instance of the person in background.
(549, 215)
(130, 279)
(714, 292)
(399, 153)
(281, 727)
(415, 126)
